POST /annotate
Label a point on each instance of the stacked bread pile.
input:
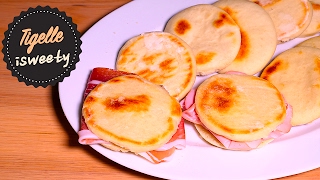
(248, 99)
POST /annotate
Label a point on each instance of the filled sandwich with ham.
(126, 113)
(236, 111)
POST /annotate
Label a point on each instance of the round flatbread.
(131, 113)
(161, 58)
(296, 73)
(239, 107)
(211, 33)
(312, 42)
(258, 35)
(290, 17)
(314, 26)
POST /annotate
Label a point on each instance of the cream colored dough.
(258, 35)
(161, 58)
(212, 34)
(296, 73)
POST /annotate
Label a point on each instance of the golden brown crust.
(239, 107)
(161, 58)
(132, 113)
(212, 34)
(256, 48)
(296, 73)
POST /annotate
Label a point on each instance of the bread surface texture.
(240, 107)
(258, 35)
(296, 73)
(161, 58)
(212, 34)
(132, 113)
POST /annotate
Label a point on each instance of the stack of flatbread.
(230, 39)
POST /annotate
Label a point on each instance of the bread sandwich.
(127, 113)
(296, 73)
(237, 112)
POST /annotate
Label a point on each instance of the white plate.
(293, 153)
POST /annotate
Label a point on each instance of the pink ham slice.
(86, 137)
(189, 113)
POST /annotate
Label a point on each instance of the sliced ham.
(158, 156)
(189, 106)
(86, 137)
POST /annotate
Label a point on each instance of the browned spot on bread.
(131, 104)
(145, 73)
(157, 78)
(122, 60)
(222, 20)
(87, 112)
(116, 80)
(317, 62)
(277, 65)
(229, 11)
(244, 47)
(189, 76)
(149, 60)
(222, 103)
(315, 6)
(237, 131)
(160, 79)
(219, 95)
(90, 99)
(230, 34)
(124, 56)
(257, 2)
(204, 57)
(166, 65)
(280, 116)
(187, 79)
(316, 86)
(127, 52)
(175, 40)
(175, 108)
(182, 27)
